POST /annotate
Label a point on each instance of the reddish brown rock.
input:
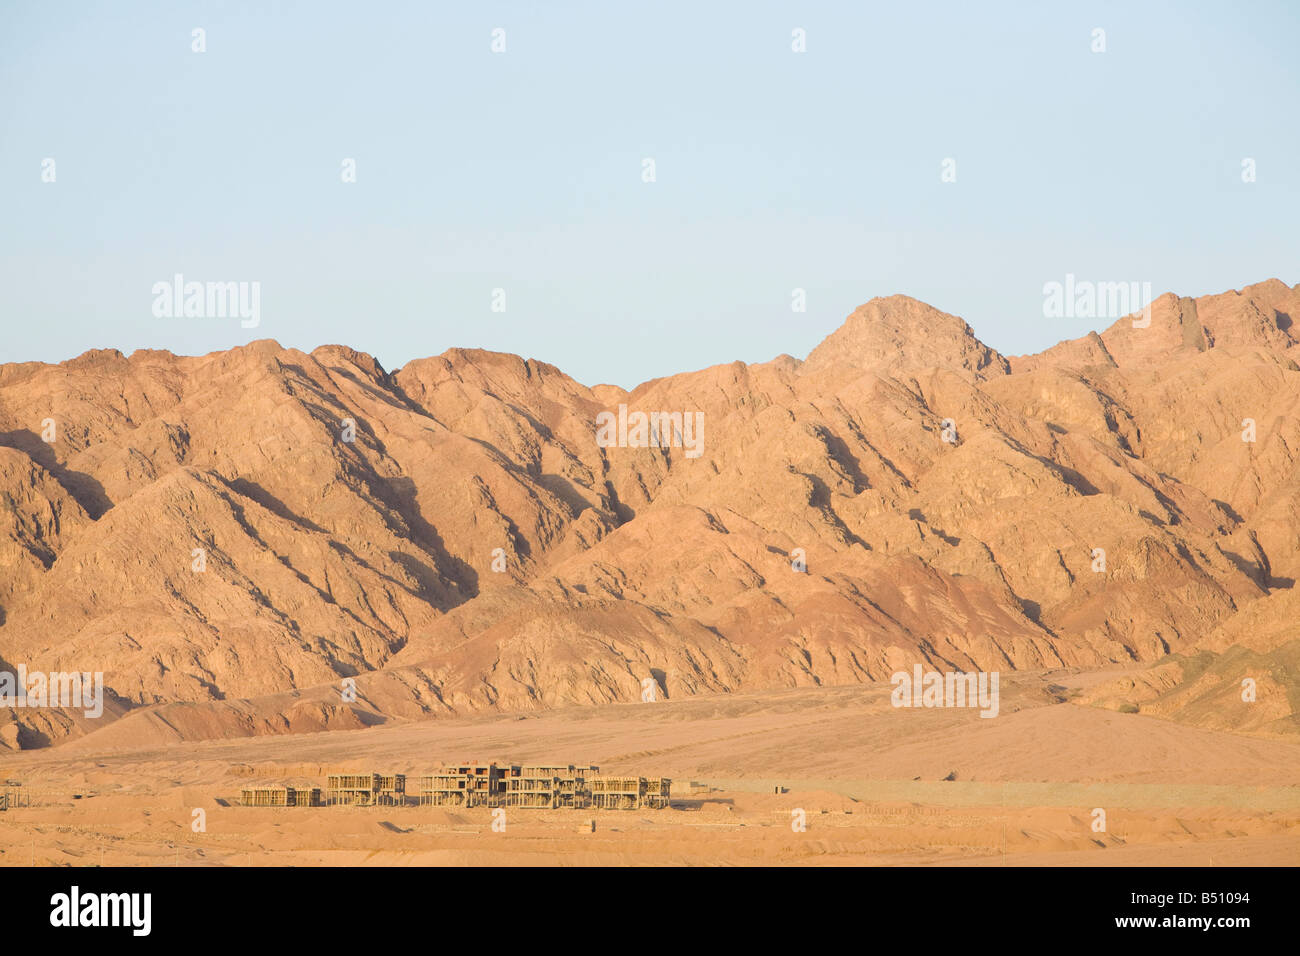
(451, 536)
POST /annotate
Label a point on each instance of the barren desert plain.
(876, 786)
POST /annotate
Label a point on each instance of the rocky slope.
(452, 537)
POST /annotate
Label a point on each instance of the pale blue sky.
(522, 170)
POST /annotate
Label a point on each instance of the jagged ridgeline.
(235, 540)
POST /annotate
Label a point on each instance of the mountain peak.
(899, 332)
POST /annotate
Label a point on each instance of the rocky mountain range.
(238, 540)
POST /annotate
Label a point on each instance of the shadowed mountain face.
(230, 537)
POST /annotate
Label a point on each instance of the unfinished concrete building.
(573, 792)
(545, 787)
(444, 789)
(569, 786)
(366, 789)
(280, 797)
(466, 785)
(351, 789)
(391, 790)
(658, 793)
(264, 796)
(532, 787)
(304, 797)
(12, 797)
(485, 783)
(581, 797)
(617, 793)
(631, 793)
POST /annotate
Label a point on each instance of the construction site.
(474, 784)
(809, 776)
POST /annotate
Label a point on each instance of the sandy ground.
(876, 785)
